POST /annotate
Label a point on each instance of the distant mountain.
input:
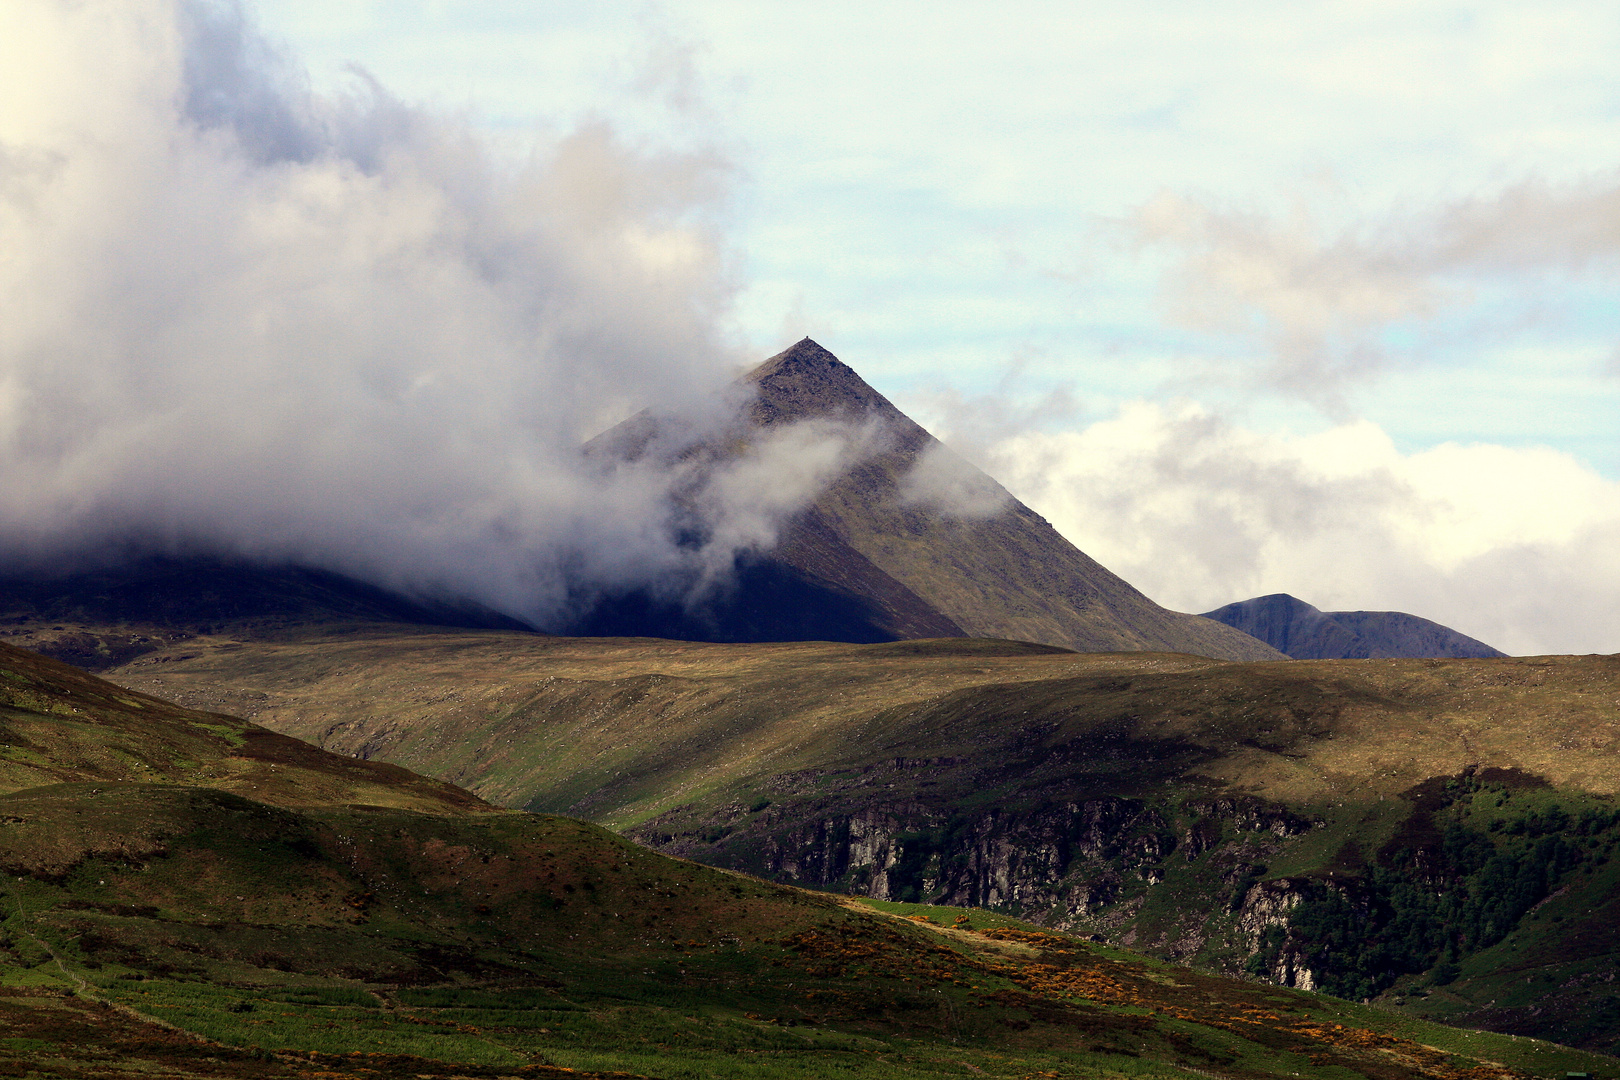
(1294, 627)
(98, 618)
(909, 542)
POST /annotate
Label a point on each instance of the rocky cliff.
(1178, 877)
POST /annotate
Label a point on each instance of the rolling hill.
(1296, 628)
(164, 926)
(1208, 812)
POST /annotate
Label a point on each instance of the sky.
(1318, 298)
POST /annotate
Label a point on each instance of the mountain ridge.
(107, 615)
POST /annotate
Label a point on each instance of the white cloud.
(785, 468)
(1315, 298)
(1517, 547)
(944, 481)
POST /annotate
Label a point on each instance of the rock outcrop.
(1086, 865)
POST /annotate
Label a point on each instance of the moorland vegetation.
(1433, 833)
(188, 894)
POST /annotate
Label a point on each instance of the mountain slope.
(908, 541)
(1305, 633)
(59, 725)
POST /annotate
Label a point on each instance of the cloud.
(245, 317)
(1533, 224)
(747, 500)
(1314, 302)
(944, 481)
(1519, 547)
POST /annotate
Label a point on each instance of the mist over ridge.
(247, 319)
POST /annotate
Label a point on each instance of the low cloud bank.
(1517, 547)
(245, 318)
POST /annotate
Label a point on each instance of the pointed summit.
(807, 380)
(912, 541)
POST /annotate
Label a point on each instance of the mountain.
(1304, 633)
(908, 541)
(1438, 834)
(391, 928)
(102, 617)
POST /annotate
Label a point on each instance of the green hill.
(1280, 819)
(60, 725)
(162, 927)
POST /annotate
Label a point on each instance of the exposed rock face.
(1246, 813)
(1305, 633)
(1264, 909)
(1086, 865)
(999, 860)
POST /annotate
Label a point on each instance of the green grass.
(493, 940)
(946, 915)
(731, 754)
(737, 989)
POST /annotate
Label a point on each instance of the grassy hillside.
(156, 926)
(349, 939)
(1253, 818)
(614, 729)
(59, 724)
(624, 730)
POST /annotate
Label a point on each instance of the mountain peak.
(806, 380)
(806, 354)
